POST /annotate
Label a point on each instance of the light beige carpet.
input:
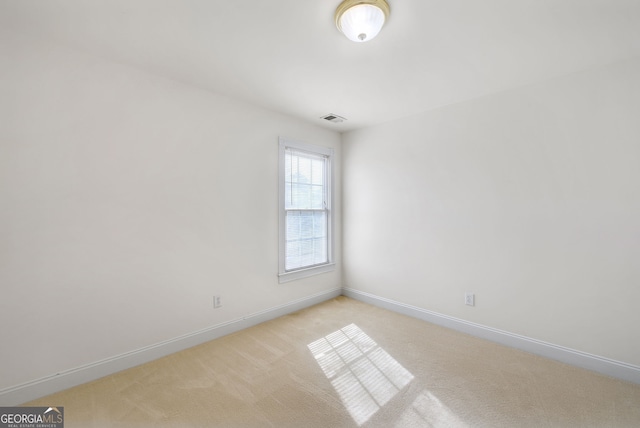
(344, 363)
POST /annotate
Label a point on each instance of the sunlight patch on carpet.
(428, 410)
(363, 374)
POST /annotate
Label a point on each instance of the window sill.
(304, 273)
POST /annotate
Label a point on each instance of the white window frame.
(291, 275)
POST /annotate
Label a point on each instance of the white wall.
(126, 202)
(529, 198)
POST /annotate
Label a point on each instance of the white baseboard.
(28, 391)
(606, 366)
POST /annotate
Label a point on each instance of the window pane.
(304, 170)
(304, 181)
(306, 252)
(319, 224)
(301, 196)
(293, 227)
(319, 251)
(306, 225)
(287, 195)
(293, 255)
(317, 172)
(306, 240)
(317, 197)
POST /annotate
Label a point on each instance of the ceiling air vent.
(334, 118)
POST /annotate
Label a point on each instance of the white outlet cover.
(469, 299)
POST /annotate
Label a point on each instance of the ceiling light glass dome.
(361, 20)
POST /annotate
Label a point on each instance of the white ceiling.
(287, 55)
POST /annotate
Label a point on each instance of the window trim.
(283, 275)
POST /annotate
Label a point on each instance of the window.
(306, 220)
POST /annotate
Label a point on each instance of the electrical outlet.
(469, 299)
(217, 302)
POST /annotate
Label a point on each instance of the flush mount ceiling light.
(361, 20)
